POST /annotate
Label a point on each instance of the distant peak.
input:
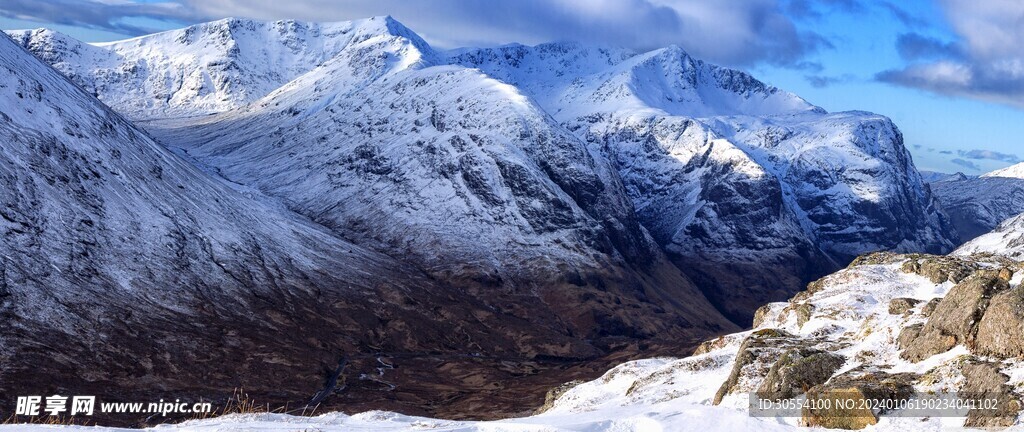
(1013, 171)
(676, 50)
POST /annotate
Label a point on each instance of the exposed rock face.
(940, 269)
(976, 206)
(955, 319)
(755, 357)
(900, 306)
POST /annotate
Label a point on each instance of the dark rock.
(756, 355)
(798, 370)
(955, 317)
(899, 306)
(986, 382)
(860, 387)
(1001, 330)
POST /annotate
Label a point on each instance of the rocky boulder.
(755, 358)
(984, 381)
(939, 269)
(955, 318)
(796, 371)
(844, 401)
(1001, 330)
(901, 305)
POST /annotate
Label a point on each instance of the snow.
(669, 416)
(205, 68)
(1007, 240)
(1015, 171)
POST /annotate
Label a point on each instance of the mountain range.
(302, 203)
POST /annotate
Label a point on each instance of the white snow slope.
(202, 69)
(1015, 171)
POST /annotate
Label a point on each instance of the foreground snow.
(675, 415)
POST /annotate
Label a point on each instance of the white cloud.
(733, 32)
(987, 62)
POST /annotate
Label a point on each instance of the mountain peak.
(1014, 171)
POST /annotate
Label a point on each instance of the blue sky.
(950, 73)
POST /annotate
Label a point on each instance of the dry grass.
(46, 420)
(239, 403)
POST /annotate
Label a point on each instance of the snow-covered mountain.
(128, 273)
(1015, 171)
(202, 69)
(977, 205)
(121, 262)
(752, 190)
(1007, 239)
(730, 176)
(459, 173)
(935, 176)
(518, 247)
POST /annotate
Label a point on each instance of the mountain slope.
(731, 177)
(977, 205)
(464, 176)
(728, 170)
(938, 336)
(1007, 239)
(151, 279)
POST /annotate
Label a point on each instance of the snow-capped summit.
(1015, 171)
(210, 67)
(573, 80)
